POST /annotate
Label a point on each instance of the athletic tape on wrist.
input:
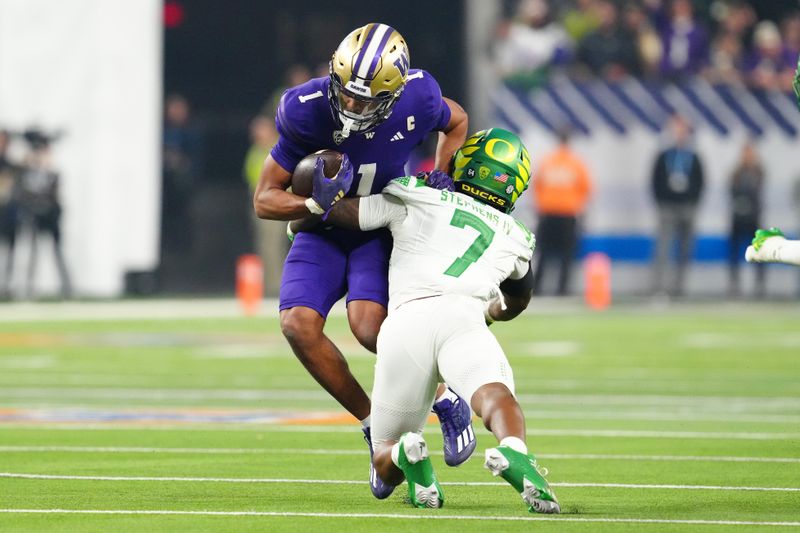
(314, 207)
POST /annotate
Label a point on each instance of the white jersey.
(444, 242)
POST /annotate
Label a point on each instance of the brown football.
(303, 175)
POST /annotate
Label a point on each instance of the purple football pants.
(325, 265)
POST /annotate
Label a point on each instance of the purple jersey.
(306, 124)
(325, 264)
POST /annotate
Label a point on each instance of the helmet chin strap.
(347, 124)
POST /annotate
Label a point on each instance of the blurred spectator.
(790, 30)
(769, 66)
(746, 189)
(529, 44)
(581, 19)
(726, 59)
(608, 50)
(647, 41)
(736, 18)
(270, 235)
(296, 74)
(684, 40)
(40, 208)
(8, 212)
(677, 183)
(562, 187)
(181, 170)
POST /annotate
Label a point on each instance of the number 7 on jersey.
(462, 219)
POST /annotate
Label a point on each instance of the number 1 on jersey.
(367, 172)
(462, 219)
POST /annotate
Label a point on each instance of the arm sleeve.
(380, 211)
(520, 286)
(521, 268)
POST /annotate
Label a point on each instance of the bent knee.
(365, 322)
(298, 324)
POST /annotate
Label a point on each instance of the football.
(303, 175)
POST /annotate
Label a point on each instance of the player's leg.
(770, 246)
(404, 387)
(303, 329)
(473, 363)
(313, 280)
(365, 318)
(367, 298)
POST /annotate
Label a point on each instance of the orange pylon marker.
(597, 280)
(249, 283)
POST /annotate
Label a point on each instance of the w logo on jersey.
(369, 134)
(402, 64)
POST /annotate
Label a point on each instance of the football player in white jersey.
(459, 262)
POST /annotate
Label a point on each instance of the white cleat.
(531, 495)
(496, 462)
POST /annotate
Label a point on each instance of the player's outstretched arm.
(452, 136)
(271, 200)
(344, 215)
(517, 296)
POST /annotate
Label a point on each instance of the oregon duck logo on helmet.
(506, 159)
(368, 72)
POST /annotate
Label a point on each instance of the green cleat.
(764, 234)
(423, 488)
(522, 472)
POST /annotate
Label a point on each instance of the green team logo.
(483, 172)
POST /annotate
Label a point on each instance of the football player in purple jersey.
(375, 109)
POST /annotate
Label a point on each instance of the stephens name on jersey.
(306, 124)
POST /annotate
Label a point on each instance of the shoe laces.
(449, 415)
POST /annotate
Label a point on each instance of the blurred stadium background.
(143, 118)
(155, 205)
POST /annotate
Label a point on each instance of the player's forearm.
(345, 214)
(277, 204)
(514, 305)
(516, 296)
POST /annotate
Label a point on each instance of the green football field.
(649, 419)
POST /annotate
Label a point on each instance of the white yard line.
(588, 433)
(16, 475)
(340, 452)
(277, 428)
(430, 516)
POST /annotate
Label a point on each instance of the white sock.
(396, 454)
(447, 395)
(515, 444)
(365, 423)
